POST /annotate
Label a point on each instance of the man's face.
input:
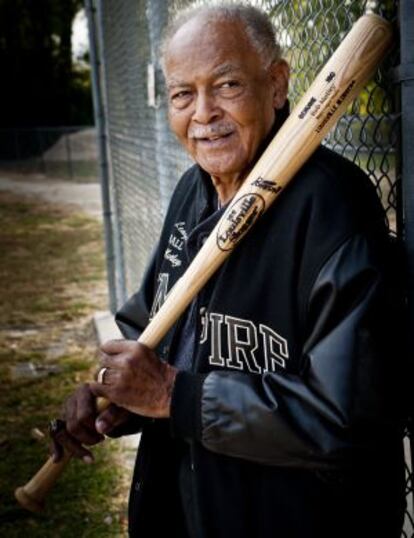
(221, 99)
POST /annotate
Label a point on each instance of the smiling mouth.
(213, 139)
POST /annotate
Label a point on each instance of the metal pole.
(40, 146)
(16, 144)
(69, 154)
(157, 18)
(103, 155)
(406, 78)
(117, 213)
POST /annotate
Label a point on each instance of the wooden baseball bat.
(339, 81)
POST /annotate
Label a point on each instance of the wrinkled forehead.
(208, 44)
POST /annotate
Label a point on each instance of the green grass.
(52, 280)
(51, 260)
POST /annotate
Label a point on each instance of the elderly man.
(271, 409)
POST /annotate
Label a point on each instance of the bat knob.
(28, 502)
(31, 496)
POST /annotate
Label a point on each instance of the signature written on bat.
(238, 219)
(314, 103)
(266, 185)
(335, 106)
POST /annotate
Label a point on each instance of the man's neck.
(226, 187)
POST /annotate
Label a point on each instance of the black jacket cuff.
(134, 425)
(186, 406)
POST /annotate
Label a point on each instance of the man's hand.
(82, 425)
(135, 379)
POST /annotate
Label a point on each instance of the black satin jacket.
(294, 402)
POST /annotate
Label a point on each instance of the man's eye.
(180, 95)
(230, 84)
(180, 99)
(230, 88)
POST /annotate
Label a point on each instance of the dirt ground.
(52, 281)
(74, 196)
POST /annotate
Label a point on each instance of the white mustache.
(210, 132)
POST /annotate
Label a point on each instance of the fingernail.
(100, 426)
(87, 459)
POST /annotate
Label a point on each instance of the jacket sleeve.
(133, 316)
(346, 399)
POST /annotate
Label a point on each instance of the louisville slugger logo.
(238, 219)
(267, 185)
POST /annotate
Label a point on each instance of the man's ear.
(279, 73)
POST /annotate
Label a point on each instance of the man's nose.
(206, 108)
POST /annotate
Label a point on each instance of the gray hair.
(256, 22)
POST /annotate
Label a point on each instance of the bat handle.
(32, 495)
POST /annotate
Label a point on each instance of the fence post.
(16, 144)
(39, 141)
(157, 16)
(69, 154)
(103, 156)
(406, 78)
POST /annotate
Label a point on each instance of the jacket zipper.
(197, 514)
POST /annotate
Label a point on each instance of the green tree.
(40, 85)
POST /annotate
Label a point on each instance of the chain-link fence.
(145, 159)
(56, 152)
